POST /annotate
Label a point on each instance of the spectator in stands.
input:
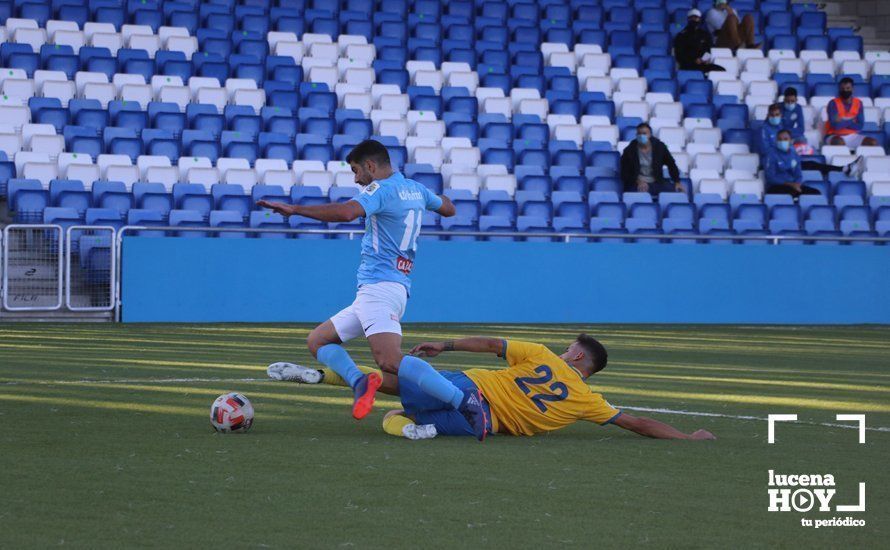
(729, 31)
(775, 123)
(770, 129)
(692, 46)
(846, 118)
(783, 169)
(643, 162)
(792, 116)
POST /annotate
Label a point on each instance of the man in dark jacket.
(692, 46)
(643, 162)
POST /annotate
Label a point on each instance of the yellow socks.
(331, 378)
(394, 424)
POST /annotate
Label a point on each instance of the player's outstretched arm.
(447, 209)
(333, 212)
(476, 344)
(650, 427)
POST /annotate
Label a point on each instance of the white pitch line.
(743, 417)
(132, 381)
(640, 409)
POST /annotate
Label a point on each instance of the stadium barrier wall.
(295, 280)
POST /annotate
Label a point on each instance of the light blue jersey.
(394, 213)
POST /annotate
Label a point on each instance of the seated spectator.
(769, 133)
(692, 46)
(770, 129)
(728, 30)
(792, 116)
(643, 162)
(783, 170)
(846, 118)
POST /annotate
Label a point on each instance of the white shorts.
(850, 140)
(377, 308)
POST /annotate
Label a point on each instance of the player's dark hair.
(642, 125)
(369, 150)
(786, 132)
(846, 80)
(595, 350)
(774, 107)
(790, 90)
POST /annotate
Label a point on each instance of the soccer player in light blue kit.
(393, 207)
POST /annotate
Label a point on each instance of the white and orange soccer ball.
(231, 413)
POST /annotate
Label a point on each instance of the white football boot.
(289, 372)
(416, 432)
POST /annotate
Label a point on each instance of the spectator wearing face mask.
(692, 46)
(729, 31)
(784, 174)
(846, 118)
(643, 162)
(792, 116)
(769, 133)
(770, 129)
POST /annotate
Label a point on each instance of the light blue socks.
(418, 371)
(339, 361)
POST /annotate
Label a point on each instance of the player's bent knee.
(388, 361)
(316, 340)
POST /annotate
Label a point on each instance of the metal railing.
(32, 267)
(48, 268)
(90, 283)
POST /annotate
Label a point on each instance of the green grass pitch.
(105, 442)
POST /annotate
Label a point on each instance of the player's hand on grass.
(703, 435)
(279, 207)
(428, 349)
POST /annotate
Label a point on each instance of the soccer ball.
(231, 413)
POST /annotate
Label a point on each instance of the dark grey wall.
(877, 13)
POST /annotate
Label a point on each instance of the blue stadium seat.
(152, 196)
(264, 219)
(107, 217)
(112, 194)
(27, 199)
(64, 217)
(70, 194)
(231, 198)
(189, 218)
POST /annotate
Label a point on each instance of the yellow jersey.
(539, 392)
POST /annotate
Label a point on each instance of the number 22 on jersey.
(558, 389)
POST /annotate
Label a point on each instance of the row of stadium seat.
(29, 199)
(607, 220)
(558, 20)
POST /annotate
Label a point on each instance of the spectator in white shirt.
(728, 30)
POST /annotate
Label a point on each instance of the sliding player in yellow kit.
(539, 391)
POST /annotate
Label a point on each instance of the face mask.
(775, 120)
(790, 106)
(643, 139)
(784, 145)
(846, 94)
